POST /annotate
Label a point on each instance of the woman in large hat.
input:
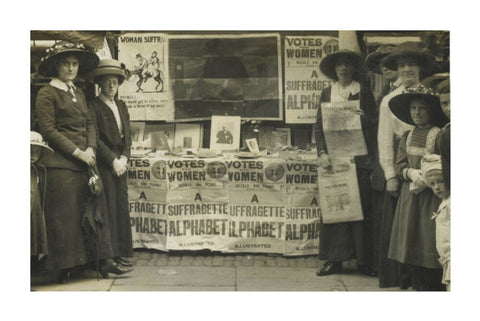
(410, 60)
(352, 240)
(113, 151)
(66, 125)
(412, 242)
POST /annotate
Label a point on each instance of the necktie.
(71, 90)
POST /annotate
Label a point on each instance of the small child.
(433, 177)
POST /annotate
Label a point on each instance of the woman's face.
(389, 74)
(68, 68)
(445, 103)
(109, 85)
(35, 152)
(344, 70)
(409, 71)
(420, 113)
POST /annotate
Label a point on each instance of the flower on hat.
(420, 89)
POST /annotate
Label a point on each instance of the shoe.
(330, 267)
(366, 270)
(109, 266)
(122, 261)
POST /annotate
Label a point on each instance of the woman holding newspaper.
(345, 127)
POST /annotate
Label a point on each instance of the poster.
(149, 224)
(205, 173)
(146, 91)
(257, 220)
(259, 174)
(343, 129)
(231, 75)
(303, 80)
(338, 192)
(147, 179)
(197, 219)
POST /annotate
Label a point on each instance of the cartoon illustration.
(146, 69)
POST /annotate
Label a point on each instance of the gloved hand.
(325, 160)
(124, 160)
(416, 177)
(392, 186)
(119, 167)
(86, 157)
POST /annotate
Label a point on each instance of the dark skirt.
(351, 240)
(65, 201)
(413, 231)
(116, 192)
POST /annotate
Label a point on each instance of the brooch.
(74, 99)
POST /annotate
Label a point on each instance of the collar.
(106, 100)
(353, 88)
(444, 204)
(57, 83)
(396, 83)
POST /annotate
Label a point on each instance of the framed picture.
(227, 74)
(159, 136)
(225, 133)
(188, 136)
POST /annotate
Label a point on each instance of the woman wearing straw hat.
(113, 151)
(412, 242)
(344, 241)
(66, 124)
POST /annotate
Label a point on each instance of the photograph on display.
(232, 75)
(160, 136)
(225, 133)
(137, 130)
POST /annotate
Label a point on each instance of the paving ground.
(207, 271)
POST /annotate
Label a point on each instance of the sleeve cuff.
(76, 152)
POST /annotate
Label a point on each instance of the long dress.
(112, 143)
(413, 232)
(352, 240)
(65, 123)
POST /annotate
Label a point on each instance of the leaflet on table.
(147, 176)
(187, 173)
(149, 224)
(338, 192)
(343, 129)
(301, 176)
(302, 224)
(197, 220)
(256, 174)
(257, 221)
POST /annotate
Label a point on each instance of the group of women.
(86, 204)
(395, 242)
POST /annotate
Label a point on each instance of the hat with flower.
(87, 58)
(400, 105)
(409, 49)
(37, 139)
(109, 67)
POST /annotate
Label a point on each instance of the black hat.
(327, 65)
(400, 105)
(409, 49)
(374, 60)
(88, 59)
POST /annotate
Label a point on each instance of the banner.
(338, 192)
(303, 80)
(149, 224)
(343, 129)
(257, 220)
(146, 91)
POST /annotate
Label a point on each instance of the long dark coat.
(112, 144)
(352, 240)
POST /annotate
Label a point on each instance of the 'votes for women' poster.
(303, 80)
(343, 129)
(146, 91)
(338, 192)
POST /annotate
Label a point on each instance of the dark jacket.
(110, 144)
(66, 125)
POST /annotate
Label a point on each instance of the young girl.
(434, 178)
(413, 232)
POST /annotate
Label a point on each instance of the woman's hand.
(119, 168)
(86, 157)
(392, 186)
(90, 152)
(325, 160)
(359, 112)
(415, 176)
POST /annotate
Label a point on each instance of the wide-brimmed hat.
(410, 49)
(400, 105)
(374, 59)
(109, 67)
(435, 80)
(327, 65)
(444, 86)
(37, 139)
(88, 59)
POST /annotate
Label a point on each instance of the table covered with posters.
(227, 204)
